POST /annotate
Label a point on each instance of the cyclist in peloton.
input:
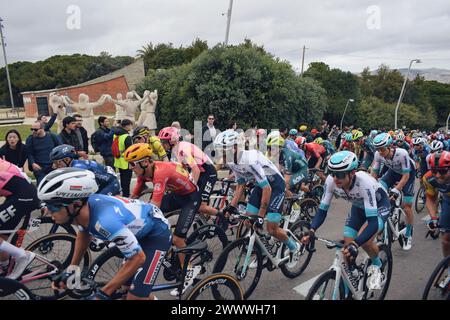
(294, 164)
(438, 180)
(420, 153)
(21, 199)
(435, 146)
(369, 212)
(64, 156)
(400, 176)
(139, 230)
(267, 196)
(315, 155)
(184, 194)
(142, 135)
(192, 157)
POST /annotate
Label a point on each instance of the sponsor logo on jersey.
(102, 231)
(157, 187)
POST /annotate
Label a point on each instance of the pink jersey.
(7, 171)
(191, 155)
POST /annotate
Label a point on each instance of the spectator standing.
(48, 124)
(102, 140)
(14, 151)
(81, 133)
(209, 132)
(40, 144)
(122, 134)
(69, 136)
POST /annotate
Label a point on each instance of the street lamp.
(228, 22)
(348, 101)
(403, 89)
(6, 63)
(448, 117)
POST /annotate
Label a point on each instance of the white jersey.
(400, 163)
(364, 193)
(254, 166)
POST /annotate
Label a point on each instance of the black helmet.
(141, 131)
(63, 151)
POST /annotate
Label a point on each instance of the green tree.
(241, 83)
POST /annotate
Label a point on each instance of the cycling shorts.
(390, 178)
(206, 181)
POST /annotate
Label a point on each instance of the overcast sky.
(346, 34)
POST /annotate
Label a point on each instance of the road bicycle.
(344, 281)
(419, 202)
(54, 253)
(438, 285)
(217, 286)
(395, 226)
(246, 257)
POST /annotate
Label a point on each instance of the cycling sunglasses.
(53, 208)
(133, 164)
(441, 171)
(338, 174)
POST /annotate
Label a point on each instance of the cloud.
(335, 32)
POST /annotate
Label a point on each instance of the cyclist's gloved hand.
(395, 193)
(99, 295)
(231, 210)
(351, 251)
(259, 223)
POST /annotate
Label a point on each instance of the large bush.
(241, 83)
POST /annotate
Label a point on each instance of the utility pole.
(6, 64)
(303, 58)
(228, 22)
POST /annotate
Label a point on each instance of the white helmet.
(227, 139)
(418, 141)
(436, 146)
(273, 134)
(65, 185)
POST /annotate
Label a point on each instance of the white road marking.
(304, 287)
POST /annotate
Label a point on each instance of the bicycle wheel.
(103, 269)
(216, 239)
(232, 259)
(46, 226)
(173, 216)
(14, 290)
(385, 255)
(301, 258)
(57, 248)
(218, 286)
(317, 192)
(308, 208)
(438, 286)
(419, 203)
(323, 288)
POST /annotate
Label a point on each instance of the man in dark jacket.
(69, 136)
(104, 140)
(81, 133)
(40, 144)
(48, 124)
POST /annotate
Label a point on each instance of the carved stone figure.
(120, 112)
(85, 109)
(58, 106)
(130, 105)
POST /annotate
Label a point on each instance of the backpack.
(94, 142)
(115, 147)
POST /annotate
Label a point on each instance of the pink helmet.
(170, 134)
(260, 132)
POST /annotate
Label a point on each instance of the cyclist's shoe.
(375, 277)
(191, 274)
(444, 283)
(21, 264)
(407, 243)
(294, 256)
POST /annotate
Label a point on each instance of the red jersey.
(167, 176)
(314, 150)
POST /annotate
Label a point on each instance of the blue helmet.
(293, 132)
(349, 137)
(382, 140)
(373, 133)
(343, 161)
(63, 151)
